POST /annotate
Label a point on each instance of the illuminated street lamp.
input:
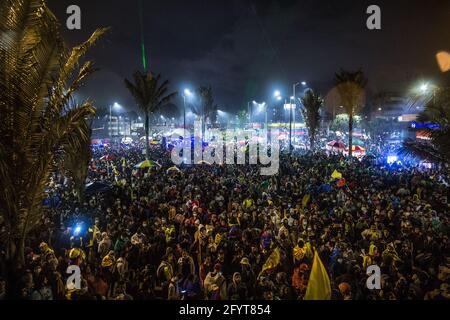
(187, 93)
(424, 88)
(116, 107)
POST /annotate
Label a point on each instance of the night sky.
(246, 49)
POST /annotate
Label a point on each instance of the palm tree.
(437, 115)
(150, 93)
(76, 165)
(205, 107)
(350, 87)
(40, 123)
(312, 102)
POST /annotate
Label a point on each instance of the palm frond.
(39, 129)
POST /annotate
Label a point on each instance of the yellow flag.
(305, 200)
(116, 172)
(272, 261)
(319, 287)
(336, 175)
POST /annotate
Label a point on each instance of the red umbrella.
(336, 144)
(108, 157)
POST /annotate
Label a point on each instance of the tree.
(40, 123)
(350, 87)
(436, 116)
(204, 107)
(76, 165)
(150, 94)
(312, 102)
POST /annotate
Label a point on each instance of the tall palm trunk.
(350, 135)
(203, 128)
(15, 260)
(147, 130)
(15, 253)
(311, 141)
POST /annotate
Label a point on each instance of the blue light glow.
(392, 159)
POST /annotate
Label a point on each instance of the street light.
(187, 93)
(290, 112)
(262, 106)
(424, 87)
(115, 106)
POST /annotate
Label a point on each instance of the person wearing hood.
(237, 290)
(215, 283)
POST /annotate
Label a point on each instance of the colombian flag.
(272, 261)
(319, 287)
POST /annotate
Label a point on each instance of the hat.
(245, 261)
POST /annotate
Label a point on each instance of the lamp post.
(115, 106)
(187, 93)
(290, 115)
(110, 121)
(184, 112)
(249, 113)
(291, 107)
(277, 96)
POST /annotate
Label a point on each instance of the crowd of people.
(206, 231)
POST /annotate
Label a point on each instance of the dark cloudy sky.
(245, 49)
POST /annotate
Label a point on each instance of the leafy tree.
(312, 103)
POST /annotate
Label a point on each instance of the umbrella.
(97, 187)
(174, 168)
(204, 162)
(108, 157)
(336, 175)
(341, 182)
(154, 142)
(357, 149)
(357, 142)
(147, 164)
(336, 144)
(331, 143)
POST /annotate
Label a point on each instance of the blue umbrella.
(97, 187)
